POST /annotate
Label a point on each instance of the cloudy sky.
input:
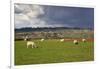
(29, 15)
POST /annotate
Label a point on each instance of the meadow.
(53, 51)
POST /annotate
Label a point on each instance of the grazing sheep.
(83, 40)
(61, 40)
(25, 39)
(30, 43)
(75, 42)
(42, 40)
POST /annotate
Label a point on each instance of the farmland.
(52, 34)
(53, 51)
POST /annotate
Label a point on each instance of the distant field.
(53, 51)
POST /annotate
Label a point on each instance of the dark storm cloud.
(70, 16)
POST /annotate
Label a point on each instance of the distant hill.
(39, 29)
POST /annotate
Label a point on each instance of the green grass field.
(53, 51)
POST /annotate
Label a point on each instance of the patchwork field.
(53, 51)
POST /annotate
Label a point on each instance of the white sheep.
(61, 40)
(25, 39)
(83, 40)
(75, 41)
(42, 40)
(30, 43)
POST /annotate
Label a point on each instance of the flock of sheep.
(33, 45)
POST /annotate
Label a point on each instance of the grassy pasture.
(53, 51)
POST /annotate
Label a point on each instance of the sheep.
(75, 42)
(30, 43)
(42, 40)
(25, 39)
(83, 40)
(61, 40)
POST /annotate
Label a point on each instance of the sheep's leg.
(32, 46)
(35, 46)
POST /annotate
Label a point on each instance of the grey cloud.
(28, 15)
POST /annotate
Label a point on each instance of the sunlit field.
(53, 51)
